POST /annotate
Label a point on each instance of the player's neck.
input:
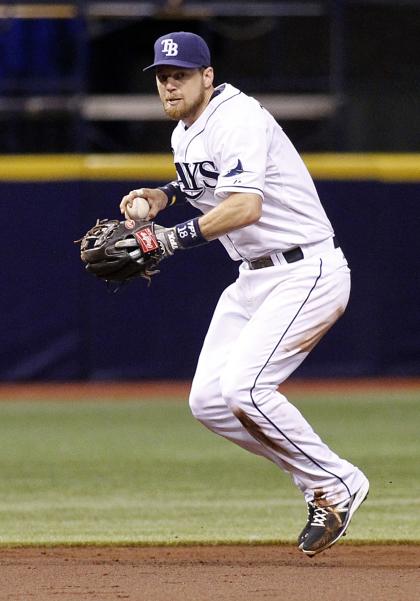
(188, 121)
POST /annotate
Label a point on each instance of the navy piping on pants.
(279, 430)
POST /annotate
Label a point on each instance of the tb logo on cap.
(170, 48)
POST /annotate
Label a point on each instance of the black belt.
(291, 256)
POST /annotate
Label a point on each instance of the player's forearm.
(237, 211)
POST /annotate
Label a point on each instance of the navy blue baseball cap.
(181, 49)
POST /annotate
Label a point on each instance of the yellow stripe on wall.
(58, 167)
(380, 167)
(159, 167)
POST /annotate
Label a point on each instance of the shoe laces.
(320, 513)
(319, 516)
(310, 508)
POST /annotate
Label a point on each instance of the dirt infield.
(344, 573)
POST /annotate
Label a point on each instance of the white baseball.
(137, 209)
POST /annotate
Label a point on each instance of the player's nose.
(170, 84)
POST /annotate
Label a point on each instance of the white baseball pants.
(264, 326)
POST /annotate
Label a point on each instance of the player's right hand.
(156, 198)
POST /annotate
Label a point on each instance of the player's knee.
(198, 403)
(235, 392)
(242, 393)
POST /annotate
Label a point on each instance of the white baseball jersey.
(237, 146)
(268, 320)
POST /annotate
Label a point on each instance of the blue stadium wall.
(59, 323)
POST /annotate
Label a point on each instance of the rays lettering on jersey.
(194, 178)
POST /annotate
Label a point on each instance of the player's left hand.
(120, 251)
(165, 237)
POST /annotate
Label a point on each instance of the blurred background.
(80, 125)
(342, 75)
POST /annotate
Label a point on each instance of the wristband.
(174, 194)
(189, 234)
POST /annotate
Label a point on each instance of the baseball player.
(236, 165)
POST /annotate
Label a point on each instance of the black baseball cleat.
(328, 523)
(311, 510)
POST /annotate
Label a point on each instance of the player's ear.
(208, 77)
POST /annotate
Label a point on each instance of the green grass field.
(144, 472)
